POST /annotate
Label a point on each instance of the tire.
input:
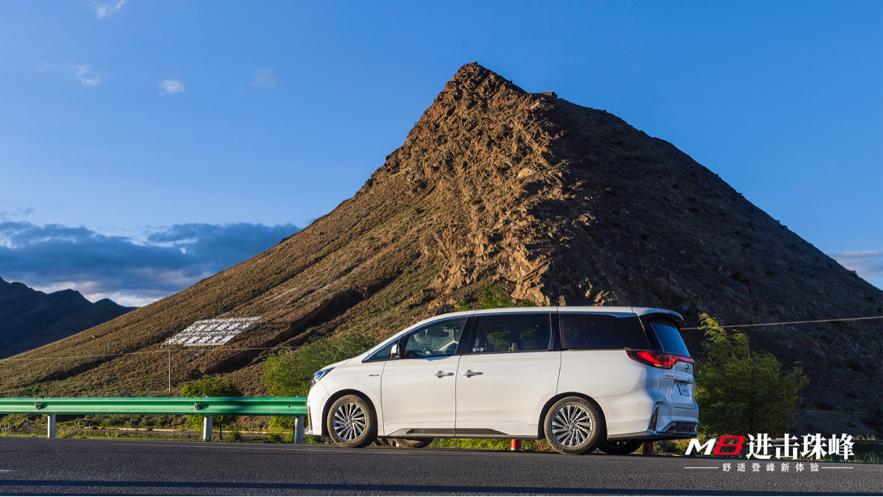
(620, 447)
(351, 422)
(413, 443)
(574, 425)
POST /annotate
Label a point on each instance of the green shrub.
(211, 386)
(235, 435)
(490, 443)
(740, 391)
(288, 372)
(471, 443)
(493, 296)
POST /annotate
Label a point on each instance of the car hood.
(337, 364)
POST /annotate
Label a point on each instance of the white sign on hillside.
(211, 332)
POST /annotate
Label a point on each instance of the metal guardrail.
(199, 406)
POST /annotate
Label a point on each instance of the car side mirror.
(394, 352)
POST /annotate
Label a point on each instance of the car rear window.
(670, 338)
(601, 331)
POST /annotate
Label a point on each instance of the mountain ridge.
(30, 318)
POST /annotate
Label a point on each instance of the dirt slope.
(561, 204)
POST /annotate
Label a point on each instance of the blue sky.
(135, 121)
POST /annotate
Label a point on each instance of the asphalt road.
(71, 466)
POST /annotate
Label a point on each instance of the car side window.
(382, 354)
(601, 331)
(435, 340)
(512, 333)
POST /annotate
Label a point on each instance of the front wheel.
(620, 447)
(574, 425)
(413, 443)
(351, 422)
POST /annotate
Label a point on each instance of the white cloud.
(868, 264)
(171, 86)
(80, 71)
(106, 9)
(264, 77)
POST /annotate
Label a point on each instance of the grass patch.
(489, 444)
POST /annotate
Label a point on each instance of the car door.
(506, 375)
(418, 387)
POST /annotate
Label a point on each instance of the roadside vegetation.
(288, 372)
(211, 386)
(741, 391)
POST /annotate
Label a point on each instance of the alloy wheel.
(572, 425)
(349, 421)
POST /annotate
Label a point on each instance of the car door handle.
(442, 374)
(470, 373)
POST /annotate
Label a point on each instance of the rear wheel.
(413, 443)
(574, 425)
(620, 447)
(351, 422)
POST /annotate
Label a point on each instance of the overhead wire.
(754, 325)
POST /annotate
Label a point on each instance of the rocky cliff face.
(560, 204)
(31, 319)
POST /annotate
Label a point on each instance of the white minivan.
(580, 377)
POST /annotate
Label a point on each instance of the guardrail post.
(207, 428)
(298, 436)
(50, 425)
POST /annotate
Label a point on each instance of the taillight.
(657, 359)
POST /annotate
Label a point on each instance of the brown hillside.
(561, 204)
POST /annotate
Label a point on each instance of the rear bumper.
(666, 423)
(675, 431)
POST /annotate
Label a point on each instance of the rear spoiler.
(662, 314)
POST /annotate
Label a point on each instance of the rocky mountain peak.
(558, 203)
